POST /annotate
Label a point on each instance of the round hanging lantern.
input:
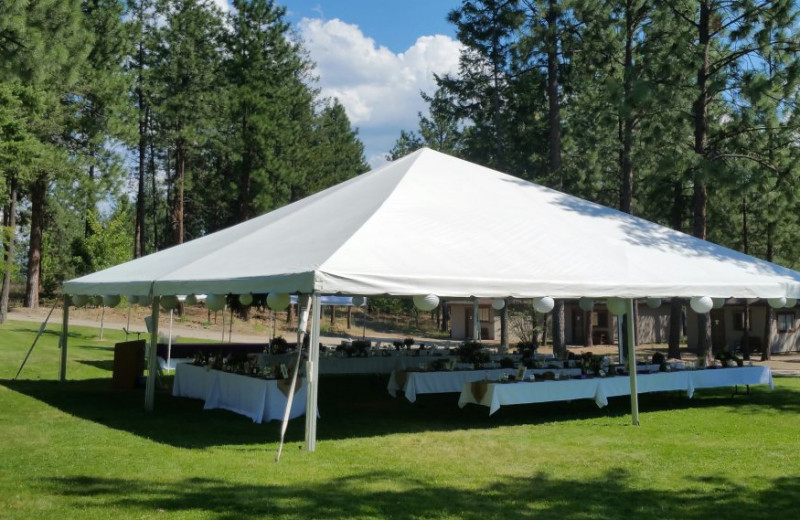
(426, 302)
(498, 304)
(358, 301)
(277, 301)
(616, 306)
(246, 299)
(701, 304)
(653, 303)
(790, 302)
(169, 302)
(586, 304)
(544, 304)
(776, 303)
(79, 300)
(191, 299)
(111, 300)
(215, 302)
(718, 302)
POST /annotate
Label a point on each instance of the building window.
(785, 322)
(483, 313)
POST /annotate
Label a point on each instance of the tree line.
(130, 126)
(684, 112)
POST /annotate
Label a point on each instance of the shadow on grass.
(614, 495)
(104, 364)
(353, 407)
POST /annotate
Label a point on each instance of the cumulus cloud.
(379, 89)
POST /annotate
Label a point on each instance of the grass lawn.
(81, 450)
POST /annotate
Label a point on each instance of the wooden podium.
(128, 364)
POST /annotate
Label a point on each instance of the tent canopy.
(430, 223)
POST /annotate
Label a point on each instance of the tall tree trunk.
(626, 144)
(246, 175)
(38, 200)
(554, 141)
(445, 317)
(139, 235)
(588, 329)
(504, 326)
(90, 204)
(154, 197)
(745, 341)
(177, 210)
(9, 243)
(766, 352)
(700, 191)
(675, 305)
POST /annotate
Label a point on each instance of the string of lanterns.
(425, 303)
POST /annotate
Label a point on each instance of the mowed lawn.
(82, 450)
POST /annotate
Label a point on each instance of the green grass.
(81, 450)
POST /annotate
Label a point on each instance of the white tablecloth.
(600, 389)
(256, 398)
(452, 381)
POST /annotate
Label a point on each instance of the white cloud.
(379, 89)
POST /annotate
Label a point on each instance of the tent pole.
(152, 363)
(632, 365)
(312, 375)
(301, 330)
(169, 339)
(64, 336)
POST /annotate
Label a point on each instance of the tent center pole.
(312, 375)
(152, 363)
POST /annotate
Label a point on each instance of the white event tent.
(430, 223)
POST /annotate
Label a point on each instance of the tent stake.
(38, 335)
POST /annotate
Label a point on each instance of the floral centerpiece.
(472, 352)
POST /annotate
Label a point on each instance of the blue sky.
(375, 56)
(395, 24)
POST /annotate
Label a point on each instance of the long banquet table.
(440, 382)
(494, 395)
(256, 398)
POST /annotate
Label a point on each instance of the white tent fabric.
(433, 224)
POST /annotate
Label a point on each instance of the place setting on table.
(600, 379)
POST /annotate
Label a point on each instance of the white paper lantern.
(426, 302)
(277, 301)
(544, 304)
(79, 300)
(701, 304)
(616, 306)
(358, 301)
(215, 302)
(169, 301)
(776, 303)
(246, 299)
(191, 299)
(586, 304)
(653, 303)
(718, 302)
(790, 302)
(498, 304)
(111, 300)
